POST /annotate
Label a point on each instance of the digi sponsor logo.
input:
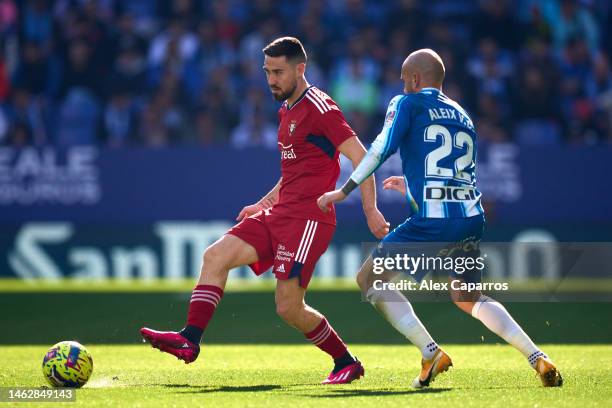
(444, 193)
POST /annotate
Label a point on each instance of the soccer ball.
(67, 364)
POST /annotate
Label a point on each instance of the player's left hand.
(249, 210)
(379, 227)
(396, 183)
(326, 200)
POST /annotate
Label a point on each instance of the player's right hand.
(396, 183)
(379, 227)
(326, 200)
(249, 210)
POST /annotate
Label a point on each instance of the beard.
(283, 96)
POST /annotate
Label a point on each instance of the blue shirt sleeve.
(397, 121)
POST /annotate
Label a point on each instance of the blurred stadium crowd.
(181, 72)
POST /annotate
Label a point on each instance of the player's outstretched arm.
(266, 201)
(354, 151)
(367, 165)
(385, 144)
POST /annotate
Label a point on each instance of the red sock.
(326, 338)
(204, 300)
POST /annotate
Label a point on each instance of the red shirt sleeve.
(334, 127)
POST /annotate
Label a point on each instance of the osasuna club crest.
(292, 126)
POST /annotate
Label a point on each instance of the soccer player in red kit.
(286, 230)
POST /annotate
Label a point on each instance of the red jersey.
(309, 134)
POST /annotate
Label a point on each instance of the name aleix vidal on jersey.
(445, 113)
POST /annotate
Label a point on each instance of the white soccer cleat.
(439, 363)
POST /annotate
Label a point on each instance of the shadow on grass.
(324, 392)
(501, 387)
(199, 389)
(374, 393)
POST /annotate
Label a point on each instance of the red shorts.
(291, 246)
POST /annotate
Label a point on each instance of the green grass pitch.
(252, 359)
(288, 375)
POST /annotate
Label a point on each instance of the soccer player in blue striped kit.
(437, 143)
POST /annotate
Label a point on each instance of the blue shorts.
(441, 237)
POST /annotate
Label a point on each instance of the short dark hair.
(290, 47)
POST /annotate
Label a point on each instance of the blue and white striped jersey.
(437, 143)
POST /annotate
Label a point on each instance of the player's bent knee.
(464, 300)
(466, 306)
(215, 261)
(289, 312)
(362, 280)
(364, 277)
(212, 255)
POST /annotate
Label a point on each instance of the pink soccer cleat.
(346, 375)
(172, 343)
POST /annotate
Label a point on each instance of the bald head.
(422, 69)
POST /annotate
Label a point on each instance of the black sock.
(343, 361)
(192, 333)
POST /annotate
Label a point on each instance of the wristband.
(349, 186)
